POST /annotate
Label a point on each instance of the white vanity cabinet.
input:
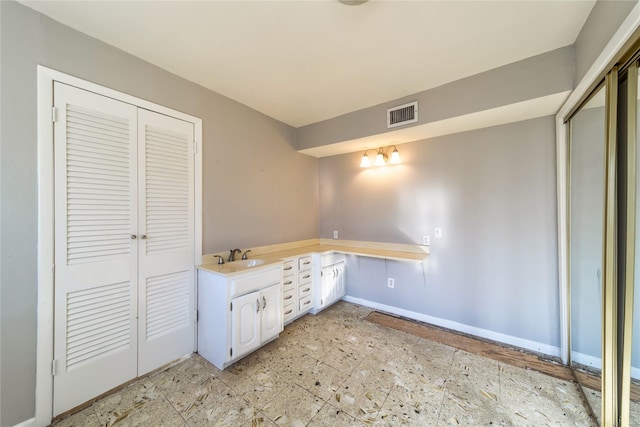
(332, 285)
(238, 313)
(298, 285)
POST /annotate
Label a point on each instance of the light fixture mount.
(382, 157)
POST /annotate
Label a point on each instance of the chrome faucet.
(232, 254)
(244, 255)
(220, 259)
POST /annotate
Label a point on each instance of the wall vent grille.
(402, 114)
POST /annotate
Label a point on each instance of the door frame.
(45, 250)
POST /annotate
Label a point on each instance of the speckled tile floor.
(337, 369)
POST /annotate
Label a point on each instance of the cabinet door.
(245, 324)
(341, 287)
(271, 312)
(326, 285)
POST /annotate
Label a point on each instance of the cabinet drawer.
(261, 279)
(288, 312)
(289, 266)
(304, 262)
(288, 282)
(304, 277)
(304, 290)
(289, 296)
(305, 303)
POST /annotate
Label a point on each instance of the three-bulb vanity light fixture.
(381, 157)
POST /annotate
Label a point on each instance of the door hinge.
(197, 315)
(54, 115)
(230, 306)
(54, 367)
(230, 352)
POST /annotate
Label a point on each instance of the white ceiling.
(306, 61)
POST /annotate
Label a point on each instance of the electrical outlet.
(426, 240)
(391, 282)
(335, 234)
(437, 232)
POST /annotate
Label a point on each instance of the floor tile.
(343, 357)
(359, 399)
(320, 379)
(331, 416)
(118, 407)
(85, 418)
(293, 406)
(396, 412)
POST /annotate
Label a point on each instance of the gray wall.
(602, 23)
(549, 73)
(493, 192)
(257, 189)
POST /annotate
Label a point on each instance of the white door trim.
(617, 42)
(45, 172)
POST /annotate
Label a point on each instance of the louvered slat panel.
(167, 299)
(98, 322)
(98, 183)
(167, 189)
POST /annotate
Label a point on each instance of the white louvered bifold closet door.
(95, 326)
(166, 218)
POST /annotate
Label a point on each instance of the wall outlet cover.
(426, 240)
(335, 234)
(437, 232)
(391, 282)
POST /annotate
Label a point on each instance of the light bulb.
(379, 159)
(364, 163)
(395, 157)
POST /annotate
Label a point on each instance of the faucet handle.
(220, 259)
(244, 255)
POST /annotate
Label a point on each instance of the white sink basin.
(245, 263)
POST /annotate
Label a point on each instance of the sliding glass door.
(587, 147)
(604, 232)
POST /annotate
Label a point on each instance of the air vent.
(402, 114)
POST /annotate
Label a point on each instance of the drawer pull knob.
(307, 303)
(288, 312)
(306, 276)
(288, 282)
(307, 262)
(288, 268)
(306, 290)
(288, 297)
(257, 305)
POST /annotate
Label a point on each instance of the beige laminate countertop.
(278, 256)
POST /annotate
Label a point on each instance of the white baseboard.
(596, 362)
(31, 422)
(586, 360)
(461, 327)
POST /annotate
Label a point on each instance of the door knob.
(134, 237)
(143, 237)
